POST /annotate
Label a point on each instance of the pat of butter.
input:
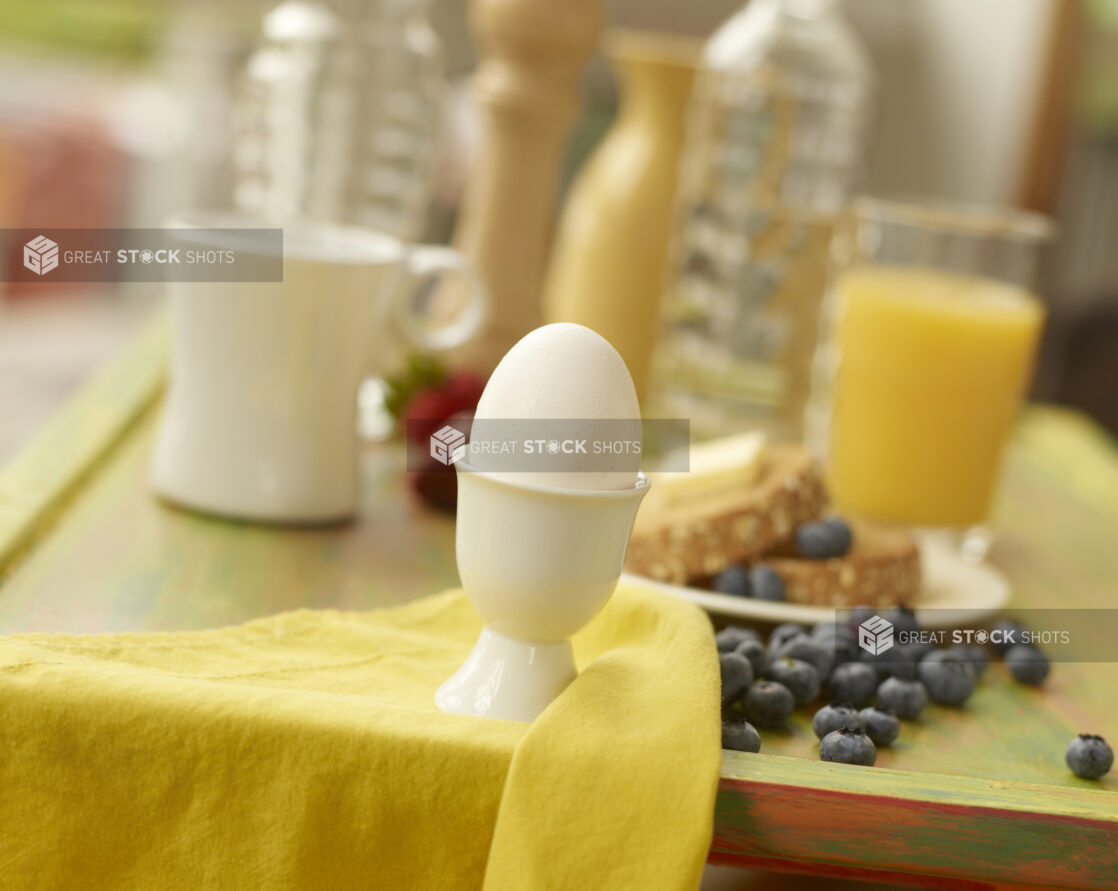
(715, 466)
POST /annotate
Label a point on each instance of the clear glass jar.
(340, 115)
(776, 135)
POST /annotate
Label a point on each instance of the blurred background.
(115, 112)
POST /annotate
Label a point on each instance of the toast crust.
(739, 525)
(882, 569)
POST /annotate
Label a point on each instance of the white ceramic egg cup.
(537, 563)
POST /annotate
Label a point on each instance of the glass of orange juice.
(934, 332)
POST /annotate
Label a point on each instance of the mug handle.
(427, 262)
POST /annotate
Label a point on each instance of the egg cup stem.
(481, 686)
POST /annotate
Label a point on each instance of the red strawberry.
(425, 413)
(465, 385)
(430, 408)
(436, 485)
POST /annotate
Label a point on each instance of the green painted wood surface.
(980, 795)
(87, 548)
(1057, 522)
(51, 467)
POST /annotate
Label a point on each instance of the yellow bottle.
(933, 368)
(608, 263)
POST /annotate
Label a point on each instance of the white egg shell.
(562, 371)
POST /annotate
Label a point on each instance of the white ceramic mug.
(260, 415)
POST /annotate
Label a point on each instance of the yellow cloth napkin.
(304, 751)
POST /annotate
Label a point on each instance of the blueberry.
(917, 649)
(732, 636)
(838, 642)
(836, 631)
(853, 682)
(755, 652)
(909, 657)
(974, 655)
(842, 539)
(906, 699)
(814, 541)
(946, 677)
(737, 675)
(766, 582)
(741, 736)
(904, 662)
(1006, 634)
(903, 619)
(908, 665)
(877, 661)
(881, 726)
(834, 717)
(801, 678)
(849, 745)
(806, 649)
(769, 704)
(843, 649)
(856, 615)
(1027, 664)
(1089, 756)
(896, 662)
(734, 580)
(783, 633)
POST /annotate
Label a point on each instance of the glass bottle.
(340, 115)
(776, 136)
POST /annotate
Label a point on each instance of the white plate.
(955, 592)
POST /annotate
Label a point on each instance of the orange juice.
(933, 368)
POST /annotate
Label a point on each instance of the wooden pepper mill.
(527, 91)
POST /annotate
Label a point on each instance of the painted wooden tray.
(972, 799)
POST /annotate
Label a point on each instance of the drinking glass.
(933, 331)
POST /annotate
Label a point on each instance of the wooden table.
(967, 799)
